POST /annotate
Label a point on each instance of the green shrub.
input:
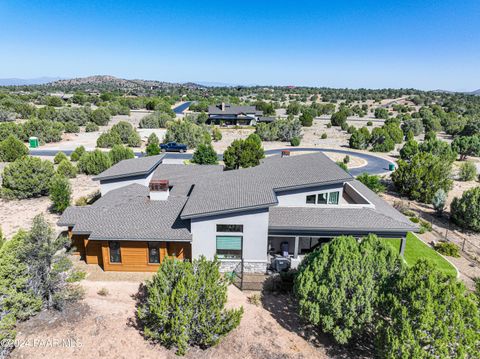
(465, 211)
(306, 119)
(428, 314)
(415, 219)
(71, 127)
(338, 118)
(67, 169)
(59, 157)
(77, 276)
(422, 176)
(100, 116)
(425, 226)
(344, 126)
(372, 181)
(60, 193)
(205, 155)
(27, 177)
(77, 153)
(329, 125)
(216, 134)
(91, 127)
(126, 133)
(295, 142)
(186, 132)
(11, 149)
(369, 123)
(156, 120)
(109, 139)
(94, 163)
(345, 307)
(351, 129)
(244, 153)
(346, 159)
(468, 171)
(448, 249)
(323, 136)
(185, 305)
(119, 153)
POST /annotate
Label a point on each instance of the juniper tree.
(185, 305)
(60, 193)
(346, 306)
(427, 314)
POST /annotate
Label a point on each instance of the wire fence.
(443, 227)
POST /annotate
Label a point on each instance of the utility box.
(33, 141)
(391, 167)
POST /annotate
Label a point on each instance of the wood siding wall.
(134, 254)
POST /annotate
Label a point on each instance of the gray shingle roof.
(182, 177)
(232, 110)
(335, 218)
(128, 214)
(255, 187)
(132, 167)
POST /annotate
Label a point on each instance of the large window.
(230, 228)
(115, 256)
(229, 247)
(153, 252)
(333, 198)
(323, 198)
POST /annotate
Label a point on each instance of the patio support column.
(403, 243)
(295, 250)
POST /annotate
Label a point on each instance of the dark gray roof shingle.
(233, 110)
(132, 167)
(335, 218)
(128, 214)
(255, 187)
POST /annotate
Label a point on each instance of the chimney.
(159, 190)
(285, 153)
(222, 106)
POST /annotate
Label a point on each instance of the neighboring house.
(226, 114)
(286, 205)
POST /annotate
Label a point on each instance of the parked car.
(173, 147)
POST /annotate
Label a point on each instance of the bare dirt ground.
(17, 214)
(106, 327)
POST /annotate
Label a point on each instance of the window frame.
(314, 198)
(221, 256)
(153, 245)
(327, 196)
(337, 197)
(110, 252)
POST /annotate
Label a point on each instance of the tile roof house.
(226, 114)
(286, 205)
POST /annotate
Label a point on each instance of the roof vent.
(222, 106)
(159, 190)
(285, 153)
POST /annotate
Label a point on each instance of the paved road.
(180, 108)
(375, 165)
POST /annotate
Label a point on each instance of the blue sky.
(423, 44)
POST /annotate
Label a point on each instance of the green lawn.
(416, 250)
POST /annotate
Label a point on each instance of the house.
(287, 205)
(226, 114)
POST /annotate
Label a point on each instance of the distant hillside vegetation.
(112, 83)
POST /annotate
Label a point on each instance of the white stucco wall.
(106, 186)
(255, 234)
(298, 198)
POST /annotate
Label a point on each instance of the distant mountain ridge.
(104, 82)
(477, 92)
